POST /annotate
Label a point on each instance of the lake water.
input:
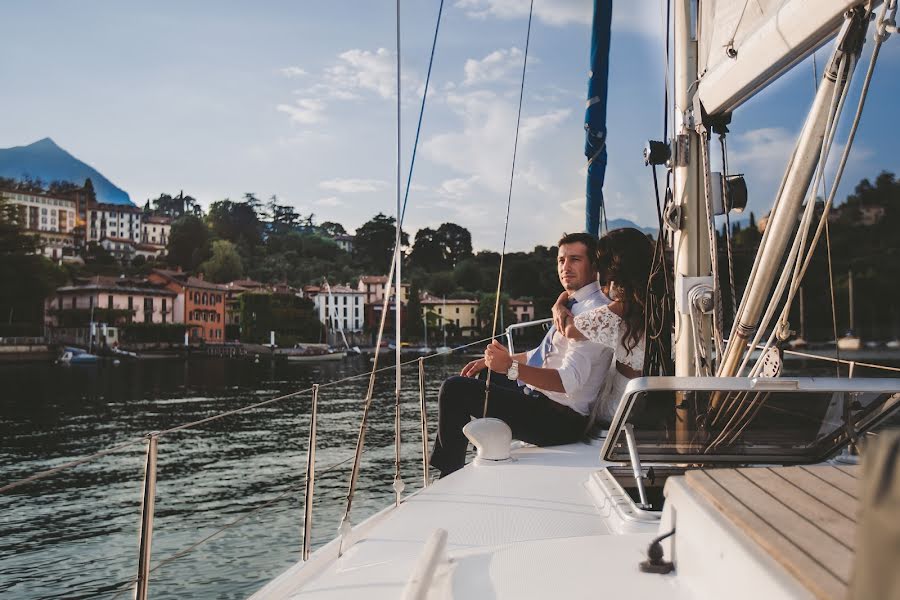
(75, 535)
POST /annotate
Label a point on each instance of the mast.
(595, 116)
(691, 243)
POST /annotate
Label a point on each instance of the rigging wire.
(390, 278)
(398, 482)
(658, 308)
(512, 176)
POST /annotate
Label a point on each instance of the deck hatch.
(762, 421)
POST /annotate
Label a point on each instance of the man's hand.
(497, 357)
(560, 313)
(473, 368)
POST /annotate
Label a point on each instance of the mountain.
(46, 160)
(620, 223)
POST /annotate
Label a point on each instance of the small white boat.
(316, 357)
(74, 356)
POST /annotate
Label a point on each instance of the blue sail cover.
(595, 114)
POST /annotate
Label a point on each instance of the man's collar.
(586, 292)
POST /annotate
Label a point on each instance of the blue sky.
(297, 99)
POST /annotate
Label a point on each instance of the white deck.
(507, 523)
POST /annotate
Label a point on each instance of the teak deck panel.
(803, 517)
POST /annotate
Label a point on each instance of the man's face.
(574, 267)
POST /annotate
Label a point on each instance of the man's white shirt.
(582, 368)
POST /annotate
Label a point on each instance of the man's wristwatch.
(513, 372)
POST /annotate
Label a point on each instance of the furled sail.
(595, 115)
(743, 45)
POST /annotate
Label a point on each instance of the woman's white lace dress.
(603, 326)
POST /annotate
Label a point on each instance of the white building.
(155, 230)
(121, 221)
(343, 308)
(49, 218)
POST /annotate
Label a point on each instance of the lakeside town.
(88, 269)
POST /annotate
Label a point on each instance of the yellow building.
(460, 314)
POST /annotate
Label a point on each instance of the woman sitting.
(625, 257)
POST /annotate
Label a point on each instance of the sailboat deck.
(803, 517)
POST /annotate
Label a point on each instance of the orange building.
(200, 304)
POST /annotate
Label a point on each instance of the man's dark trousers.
(533, 418)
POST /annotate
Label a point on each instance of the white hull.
(317, 357)
(849, 342)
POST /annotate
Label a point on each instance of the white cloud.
(553, 12)
(363, 70)
(457, 188)
(642, 17)
(293, 72)
(330, 201)
(304, 110)
(481, 149)
(493, 67)
(352, 186)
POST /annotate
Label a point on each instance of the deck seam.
(849, 517)
(817, 476)
(790, 508)
(784, 537)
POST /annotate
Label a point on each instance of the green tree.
(188, 243)
(456, 243)
(485, 313)
(332, 229)
(282, 217)
(428, 253)
(442, 283)
(374, 243)
(225, 263)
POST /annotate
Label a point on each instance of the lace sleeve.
(599, 325)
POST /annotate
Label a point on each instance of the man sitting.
(561, 379)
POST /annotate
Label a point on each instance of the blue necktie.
(537, 359)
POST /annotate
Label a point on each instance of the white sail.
(743, 45)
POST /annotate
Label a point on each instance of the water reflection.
(75, 535)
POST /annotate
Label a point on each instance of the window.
(109, 302)
(345, 299)
(204, 301)
(473, 310)
(457, 322)
(90, 302)
(73, 301)
(165, 301)
(130, 302)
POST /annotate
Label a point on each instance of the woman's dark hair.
(624, 257)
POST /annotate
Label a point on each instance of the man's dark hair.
(589, 240)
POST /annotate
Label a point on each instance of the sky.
(298, 99)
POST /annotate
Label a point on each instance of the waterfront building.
(120, 248)
(200, 305)
(111, 300)
(113, 221)
(342, 308)
(460, 314)
(233, 292)
(50, 218)
(155, 230)
(373, 287)
(523, 310)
